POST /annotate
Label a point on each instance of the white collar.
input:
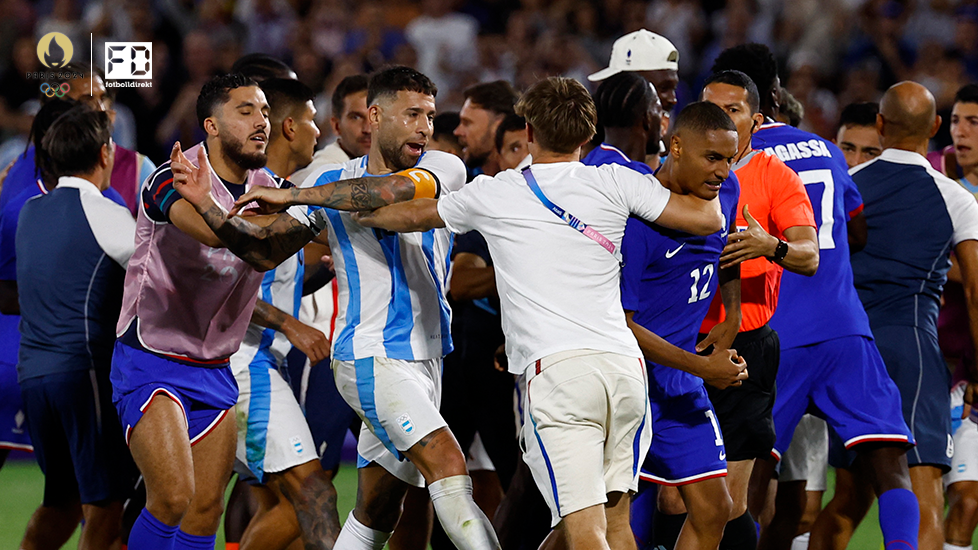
(83, 185)
(901, 156)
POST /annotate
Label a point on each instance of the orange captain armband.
(426, 185)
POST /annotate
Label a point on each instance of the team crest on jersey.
(296, 444)
(404, 421)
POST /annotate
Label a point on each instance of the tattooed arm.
(352, 194)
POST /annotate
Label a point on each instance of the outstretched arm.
(692, 215)
(405, 217)
(262, 247)
(352, 194)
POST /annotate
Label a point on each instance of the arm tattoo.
(358, 193)
(262, 247)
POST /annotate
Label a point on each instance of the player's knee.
(670, 501)
(964, 503)
(171, 505)
(710, 514)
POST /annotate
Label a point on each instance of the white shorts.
(587, 429)
(273, 435)
(478, 457)
(807, 457)
(964, 463)
(398, 402)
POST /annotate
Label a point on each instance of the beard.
(393, 153)
(233, 149)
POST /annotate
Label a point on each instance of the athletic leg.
(789, 507)
(213, 460)
(242, 510)
(926, 481)
(440, 460)
(709, 507)
(415, 528)
(274, 525)
(313, 498)
(50, 528)
(837, 522)
(103, 526)
(962, 514)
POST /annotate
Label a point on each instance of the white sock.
(357, 536)
(463, 521)
(949, 546)
(800, 542)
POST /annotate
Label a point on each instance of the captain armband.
(426, 184)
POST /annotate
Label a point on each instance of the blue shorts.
(915, 362)
(686, 442)
(77, 441)
(13, 430)
(204, 394)
(843, 381)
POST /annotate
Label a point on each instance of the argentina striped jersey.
(391, 286)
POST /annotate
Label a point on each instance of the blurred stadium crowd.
(831, 52)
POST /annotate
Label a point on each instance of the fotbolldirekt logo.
(54, 90)
(54, 50)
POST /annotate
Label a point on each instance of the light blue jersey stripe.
(444, 312)
(300, 272)
(343, 346)
(259, 404)
(365, 390)
(400, 314)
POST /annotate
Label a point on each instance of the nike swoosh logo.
(671, 253)
(723, 455)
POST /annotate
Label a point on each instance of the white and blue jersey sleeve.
(391, 286)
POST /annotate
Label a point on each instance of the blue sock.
(194, 542)
(642, 512)
(149, 533)
(899, 519)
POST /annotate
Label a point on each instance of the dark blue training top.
(669, 280)
(72, 247)
(915, 215)
(824, 306)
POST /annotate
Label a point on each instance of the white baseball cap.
(641, 50)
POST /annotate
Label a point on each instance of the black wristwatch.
(780, 252)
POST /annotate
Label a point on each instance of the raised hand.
(753, 242)
(192, 182)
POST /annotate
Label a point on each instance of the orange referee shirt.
(777, 200)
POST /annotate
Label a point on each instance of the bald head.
(908, 116)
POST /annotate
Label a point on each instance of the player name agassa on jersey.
(800, 150)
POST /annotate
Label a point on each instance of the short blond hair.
(561, 112)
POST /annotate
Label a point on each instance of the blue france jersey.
(915, 216)
(391, 285)
(669, 280)
(835, 199)
(606, 154)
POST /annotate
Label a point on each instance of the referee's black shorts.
(744, 412)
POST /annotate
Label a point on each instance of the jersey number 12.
(695, 292)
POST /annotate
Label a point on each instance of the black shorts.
(78, 440)
(744, 412)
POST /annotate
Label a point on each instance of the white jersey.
(391, 286)
(559, 290)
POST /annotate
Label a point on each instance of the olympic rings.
(52, 91)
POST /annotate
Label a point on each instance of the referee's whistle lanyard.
(571, 220)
